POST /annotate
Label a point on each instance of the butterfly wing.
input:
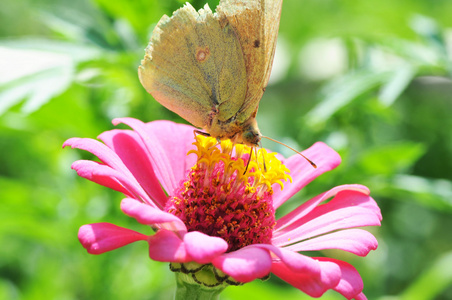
(194, 66)
(256, 23)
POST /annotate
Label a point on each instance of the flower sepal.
(204, 274)
(189, 288)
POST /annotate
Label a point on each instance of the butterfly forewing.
(195, 67)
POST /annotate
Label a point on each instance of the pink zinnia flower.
(212, 215)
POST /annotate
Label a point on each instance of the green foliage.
(371, 79)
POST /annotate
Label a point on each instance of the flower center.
(228, 193)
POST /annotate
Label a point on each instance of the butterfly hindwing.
(256, 23)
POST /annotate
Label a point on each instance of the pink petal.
(246, 264)
(360, 296)
(105, 154)
(310, 205)
(111, 166)
(347, 210)
(294, 261)
(100, 174)
(302, 172)
(106, 176)
(166, 246)
(147, 215)
(335, 220)
(314, 286)
(178, 139)
(131, 150)
(356, 241)
(351, 284)
(102, 237)
(203, 248)
(167, 144)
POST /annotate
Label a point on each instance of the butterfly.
(212, 68)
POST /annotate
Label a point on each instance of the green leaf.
(398, 82)
(342, 91)
(37, 71)
(434, 193)
(433, 281)
(391, 159)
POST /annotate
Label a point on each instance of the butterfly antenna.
(310, 161)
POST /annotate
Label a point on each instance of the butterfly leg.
(263, 158)
(196, 131)
(249, 159)
(256, 154)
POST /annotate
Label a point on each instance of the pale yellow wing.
(256, 23)
(194, 66)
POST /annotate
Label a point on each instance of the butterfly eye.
(251, 137)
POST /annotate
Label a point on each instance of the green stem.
(188, 289)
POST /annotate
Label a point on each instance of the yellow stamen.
(232, 157)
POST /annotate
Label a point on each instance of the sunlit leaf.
(342, 91)
(391, 90)
(36, 71)
(434, 193)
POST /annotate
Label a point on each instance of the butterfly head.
(251, 136)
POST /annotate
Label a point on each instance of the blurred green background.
(370, 78)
